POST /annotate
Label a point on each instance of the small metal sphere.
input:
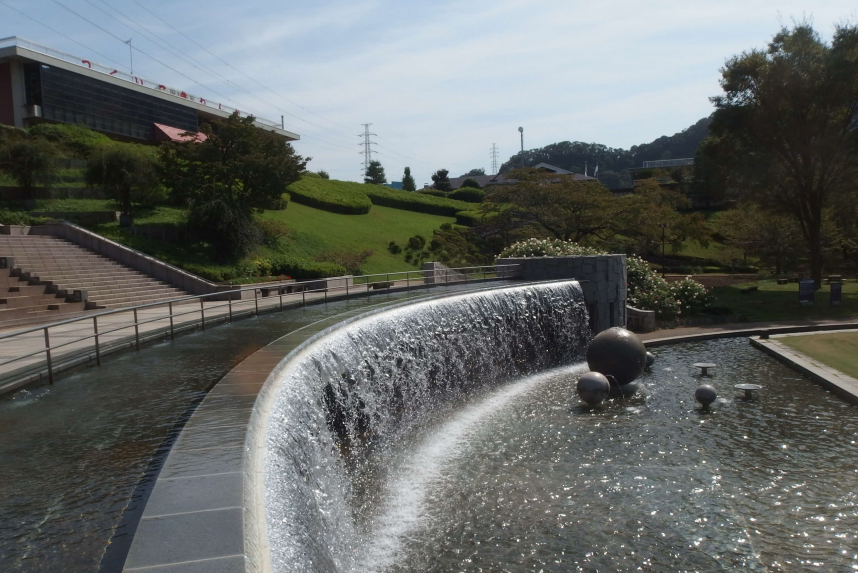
(617, 352)
(650, 358)
(705, 394)
(593, 388)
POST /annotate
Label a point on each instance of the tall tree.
(238, 170)
(475, 172)
(408, 183)
(441, 180)
(785, 127)
(129, 173)
(375, 173)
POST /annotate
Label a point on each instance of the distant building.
(39, 84)
(394, 185)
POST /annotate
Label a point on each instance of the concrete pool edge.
(194, 519)
(829, 378)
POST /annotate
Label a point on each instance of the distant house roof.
(166, 133)
(500, 179)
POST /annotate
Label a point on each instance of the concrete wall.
(602, 277)
(435, 273)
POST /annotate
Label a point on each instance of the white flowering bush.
(691, 296)
(645, 289)
(548, 248)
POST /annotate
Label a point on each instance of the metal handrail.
(439, 277)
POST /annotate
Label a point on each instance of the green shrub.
(343, 197)
(302, 269)
(79, 140)
(691, 296)
(416, 242)
(19, 218)
(468, 194)
(648, 291)
(272, 231)
(472, 183)
(418, 202)
(394, 248)
(433, 192)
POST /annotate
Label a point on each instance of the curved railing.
(29, 355)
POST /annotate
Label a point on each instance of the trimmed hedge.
(433, 193)
(469, 194)
(473, 218)
(418, 202)
(291, 266)
(302, 269)
(342, 197)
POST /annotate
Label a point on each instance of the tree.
(785, 127)
(471, 183)
(651, 206)
(441, 180)
(375, 173)
(773, 237)
(408, 183)
(475, 172)
(29, 161)
(566, 208)
(323, 174)
(128, 173)
(238, 170)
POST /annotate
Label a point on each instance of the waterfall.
(343, 403)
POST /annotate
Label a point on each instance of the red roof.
(166, 133)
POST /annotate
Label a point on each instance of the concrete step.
(25, 301)
(24, 290)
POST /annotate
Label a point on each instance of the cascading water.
(342, 408)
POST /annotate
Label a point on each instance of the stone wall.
(602, 278)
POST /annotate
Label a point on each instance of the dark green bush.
(471, 183)
(394, 248)
(468, 194)
(418, 202)
(416, 242)
(342, 197)
(302, 269)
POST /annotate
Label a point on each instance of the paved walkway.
(74, 343)
(668, 335)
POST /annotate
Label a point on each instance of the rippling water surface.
(72, 454)
(526, 479)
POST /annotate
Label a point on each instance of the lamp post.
(521, 131)
(663, 227)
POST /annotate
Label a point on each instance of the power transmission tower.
(494, 156)
(367, 146)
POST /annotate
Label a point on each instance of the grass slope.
(315, 231)
(837, 350)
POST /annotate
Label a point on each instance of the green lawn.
(315, 231)
(774, 302)
(837, 350)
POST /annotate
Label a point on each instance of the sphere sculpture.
(705, 394)
(650, 358)
(593, 388)
(617, 352)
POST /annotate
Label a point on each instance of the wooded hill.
(613, 162)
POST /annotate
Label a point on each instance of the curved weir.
(341, 410)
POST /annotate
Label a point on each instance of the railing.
(270, 295)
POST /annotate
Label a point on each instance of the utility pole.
(494, 156)
(663, 228)
(367, 144)
(131, 54)
(521, 131)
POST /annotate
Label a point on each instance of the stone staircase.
(48, 270)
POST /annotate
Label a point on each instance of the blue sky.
(439, 81)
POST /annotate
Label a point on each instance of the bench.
(783, 281)
(382, 284)
(834, 279)
(749, 289)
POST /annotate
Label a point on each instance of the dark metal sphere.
(705, 394)
(650, 358)
(593, 388)
(617, 352)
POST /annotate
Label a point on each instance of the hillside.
(613, 162)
